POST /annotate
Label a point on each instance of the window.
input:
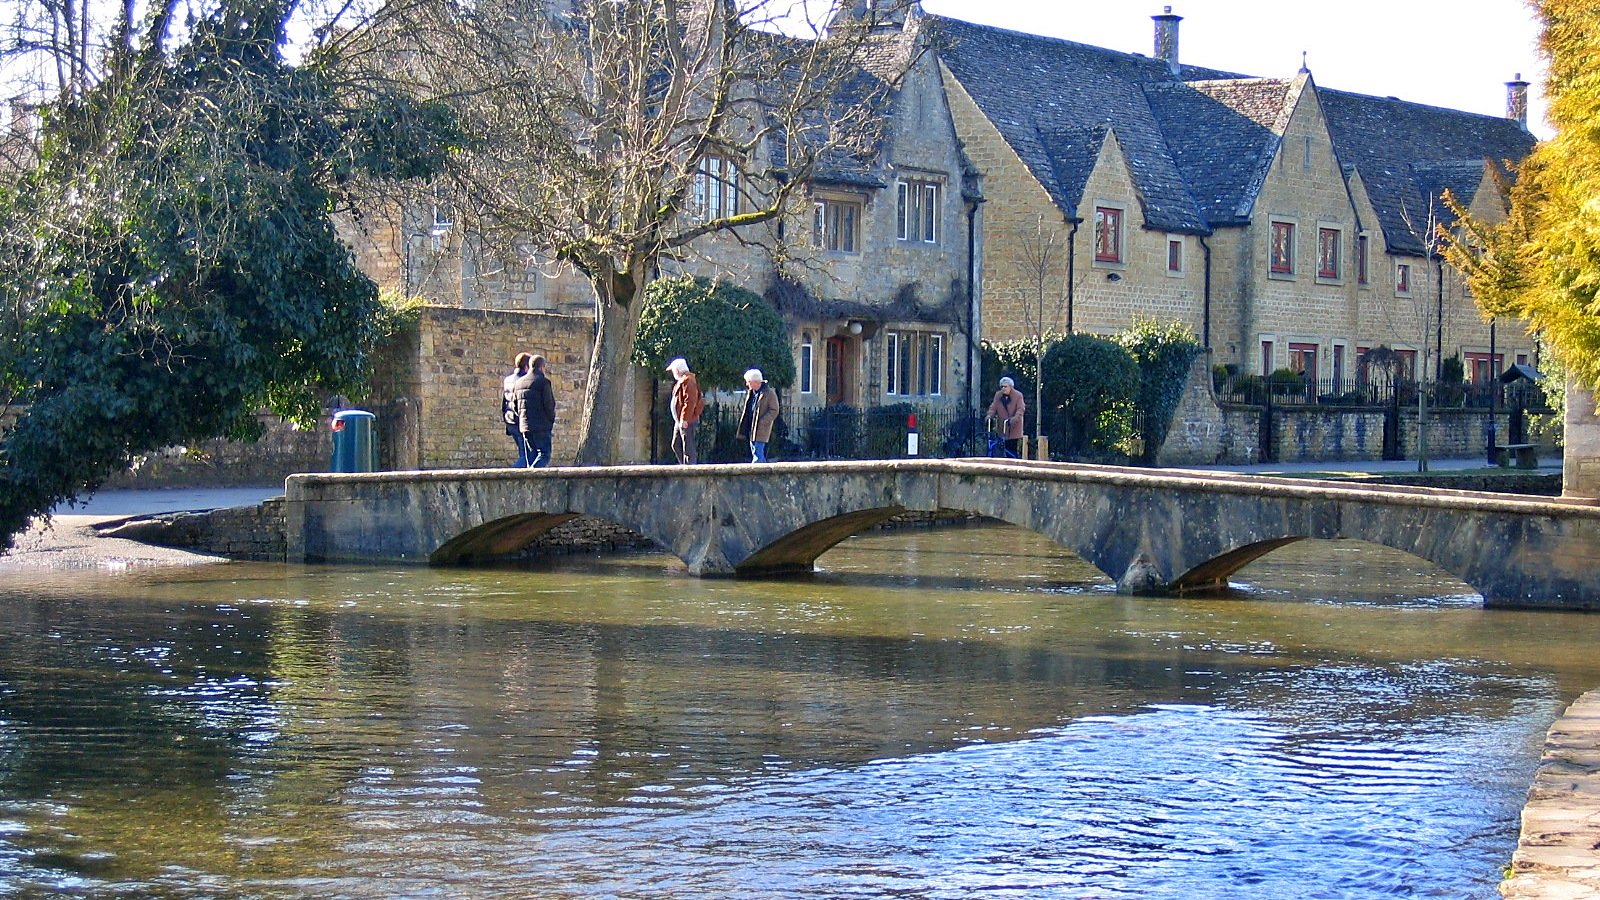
(1305, 159)
(1266, 357)
(1329, 242)
(1174, 256)
(1282, 255)
(1303, 359)
(806, 355)
(716, 187)
(1338, 368)
(915, 364)
(917, 208)
(1522, 359)
(443, 220)
(1408, 364)
(1481, 368)
(1362, 271)
(836, 225)
(1107, 234)
(1402, 279)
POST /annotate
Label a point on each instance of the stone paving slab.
(1558, 856)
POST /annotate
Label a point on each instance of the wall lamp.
(855, 327)
(1112, 276)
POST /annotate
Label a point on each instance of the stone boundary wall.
(237, 532)
(1556, 856)
(282, 450)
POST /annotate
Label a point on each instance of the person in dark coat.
(508, 407)
(760, 414)
(536, 412)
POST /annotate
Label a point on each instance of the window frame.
(1112, 214)
(716, 187)
(1325, 273)
(1176, 248)
(827, 215)
(914, 363)
(918, 212)
(1281, 238)
(1402, 279)
(1363, 259)
(807, 362)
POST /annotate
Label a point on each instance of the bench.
(1525, 455)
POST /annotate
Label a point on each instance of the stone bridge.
(1151, 530)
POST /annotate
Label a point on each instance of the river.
(936, 713)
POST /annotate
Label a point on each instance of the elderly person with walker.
(1008, 408)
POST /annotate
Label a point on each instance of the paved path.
(1556, 858)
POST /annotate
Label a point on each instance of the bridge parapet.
(1151, 530)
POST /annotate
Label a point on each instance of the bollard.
(911, 435)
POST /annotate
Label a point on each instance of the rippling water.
(956, 713)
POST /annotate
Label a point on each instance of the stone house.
(873, 273)
(1285, 223)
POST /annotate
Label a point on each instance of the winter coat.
(1010, 416)
(687, 401)
(760, 412)
(536, 403)
(508, 400)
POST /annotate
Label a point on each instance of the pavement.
(120, 503)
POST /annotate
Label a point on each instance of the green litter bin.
(354, 448)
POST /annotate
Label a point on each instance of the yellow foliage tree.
(1542, 263)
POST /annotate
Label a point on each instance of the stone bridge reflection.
(1150, 530)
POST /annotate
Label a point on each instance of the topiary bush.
(1091, 386)
(1163, 354)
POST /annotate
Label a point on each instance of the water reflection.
(933, 714)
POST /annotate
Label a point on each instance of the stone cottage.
(1289, 225)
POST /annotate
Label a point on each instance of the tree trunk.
(618, 301)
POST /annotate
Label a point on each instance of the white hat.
(678, 366)
(1007, 382)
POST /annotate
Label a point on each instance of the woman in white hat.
(1008, 407)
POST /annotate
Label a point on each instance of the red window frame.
(1281, 254)
(1328, 252)
(1107, 234)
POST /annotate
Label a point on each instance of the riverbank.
(1556, 855)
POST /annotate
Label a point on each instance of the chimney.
(1517, 101)
(1167, 37)
(22, 125)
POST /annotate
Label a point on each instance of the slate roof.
(1200, 144)
(1038, 90)
(1403, 150)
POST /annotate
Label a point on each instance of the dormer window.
(836, 225)
(917, 209)
(716, 187)
(1281, 256)
(1107, 234)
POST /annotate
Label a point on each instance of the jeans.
(683, 442)
(758, 451)
(538, 449)
(521, 440)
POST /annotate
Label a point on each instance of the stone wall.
(437, 393)
(1581, 464)
(257, 532)
(1202, 433)
(282, 450)
(1316, 434)
(238, 532)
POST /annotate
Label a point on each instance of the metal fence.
(1288, 389)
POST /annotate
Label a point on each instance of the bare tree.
(608, 136)
(1050, 277)
(1427, 316)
